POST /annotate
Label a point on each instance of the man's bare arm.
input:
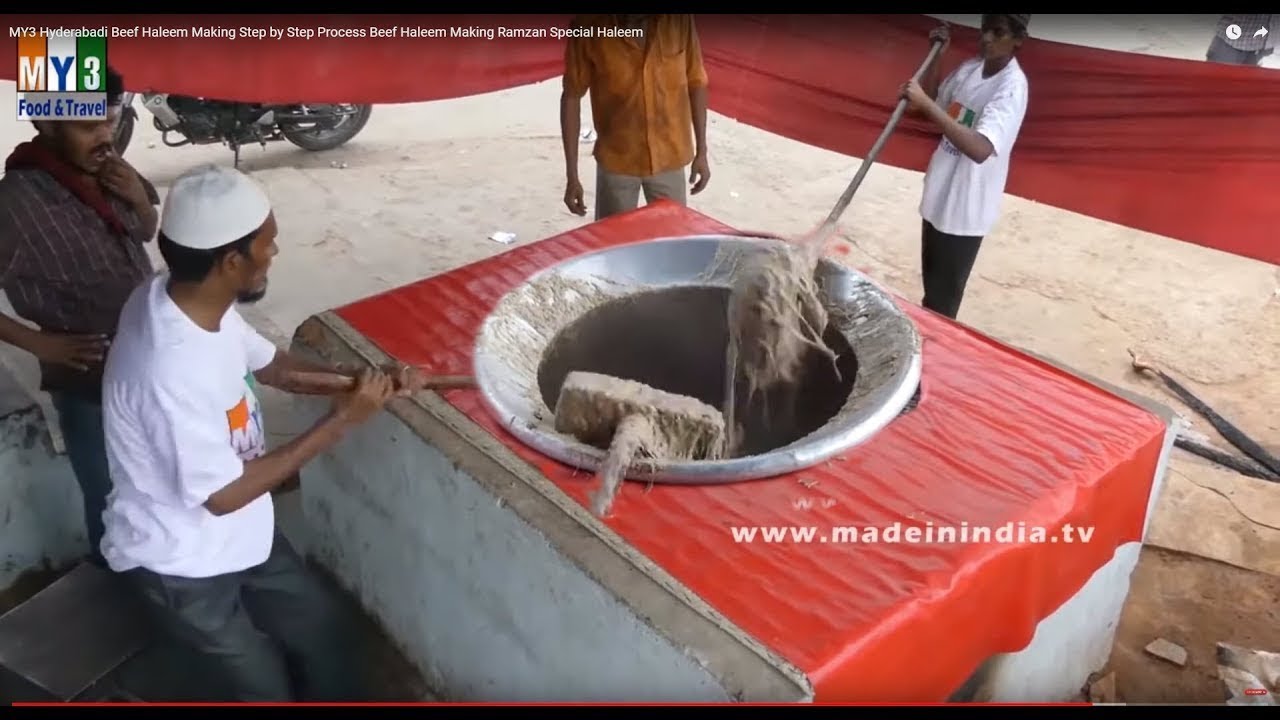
(17, 334)
(80, 352)
(972, 143)
(147, 211)
(931, 79)
(264, 474)
(698, 107)
(570, 131)
(274, 469)
(576, 83)
(300, 376)
(127, 183)
(150, 221)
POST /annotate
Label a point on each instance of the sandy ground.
(422, 188)
(1194, 603)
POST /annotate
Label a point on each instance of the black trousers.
(271, 633)
(945, 263)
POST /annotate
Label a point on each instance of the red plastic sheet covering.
(1186, 149)
(997, 438)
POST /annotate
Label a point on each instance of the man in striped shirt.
(1253, 39)
(74, 218)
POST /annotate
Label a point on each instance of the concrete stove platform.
(478, 555)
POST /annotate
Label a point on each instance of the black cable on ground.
(1228, 431)
(1244, 466)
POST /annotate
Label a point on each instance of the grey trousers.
(271, 633)
(1221, 52)
(619, 193)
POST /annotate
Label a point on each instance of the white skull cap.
(210, 206)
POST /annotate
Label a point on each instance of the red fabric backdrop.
(1186, 149)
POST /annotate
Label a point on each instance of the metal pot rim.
(861, 310)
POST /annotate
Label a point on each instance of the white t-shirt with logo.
(962, 197)
(181, 419)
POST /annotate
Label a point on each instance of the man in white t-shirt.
(979, 109)
(190, 519)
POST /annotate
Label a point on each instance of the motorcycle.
(201, 121)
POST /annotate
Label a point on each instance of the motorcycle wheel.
(124, 131)
(317, 139)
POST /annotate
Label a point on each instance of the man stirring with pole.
(190, 520)
(979, 108)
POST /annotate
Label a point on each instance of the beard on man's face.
(90, 161)
(249, 297)
(86, 147)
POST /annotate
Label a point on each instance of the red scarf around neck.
(35, 155)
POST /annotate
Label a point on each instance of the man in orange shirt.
(648, 86)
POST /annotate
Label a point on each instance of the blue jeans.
(81, 422)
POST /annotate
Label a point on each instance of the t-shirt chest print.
(244, 423)
(961, 112)
(963, 115)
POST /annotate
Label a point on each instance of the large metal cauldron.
(655, 311)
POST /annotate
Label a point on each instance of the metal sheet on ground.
(71, 634)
